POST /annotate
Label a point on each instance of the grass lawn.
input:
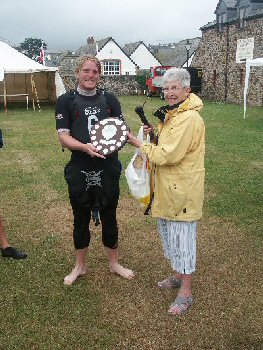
(103, 311)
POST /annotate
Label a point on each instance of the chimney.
(90, 40)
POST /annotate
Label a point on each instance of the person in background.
(93, 180)
(178, 157)
(6, 250)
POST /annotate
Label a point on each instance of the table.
(26, 96)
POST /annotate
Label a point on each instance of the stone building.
(235, 35)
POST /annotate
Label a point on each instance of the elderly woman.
(178, 182)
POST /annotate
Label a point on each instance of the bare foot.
(122, 271)
(75, 273)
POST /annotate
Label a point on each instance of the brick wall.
(223, 78)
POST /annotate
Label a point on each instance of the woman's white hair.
(177, 74)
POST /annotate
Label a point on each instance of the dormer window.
(221, 19)
(242, 14)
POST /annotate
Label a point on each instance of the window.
(158, 72)
(221, 19)
(151, 74)
(214, 77)
(112, 67)
(242, 14)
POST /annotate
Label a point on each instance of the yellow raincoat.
(179, 159)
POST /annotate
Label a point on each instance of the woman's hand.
(133, 140)
(147, 129)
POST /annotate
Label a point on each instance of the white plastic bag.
(138, 174)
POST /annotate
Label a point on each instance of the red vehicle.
(154, 82)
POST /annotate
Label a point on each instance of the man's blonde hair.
(82, 59)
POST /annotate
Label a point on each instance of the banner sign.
(245, 48)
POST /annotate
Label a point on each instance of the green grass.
(101, 312)
(234, 165)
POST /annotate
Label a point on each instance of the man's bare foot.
(75, 273)
(122, 271)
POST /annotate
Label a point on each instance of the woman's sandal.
(170, 282)
(182, 303)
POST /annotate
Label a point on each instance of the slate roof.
(230, 3)
(88, 49)
(130, 48)
(234, 15)
(174, 54)
(255, 12)
(101, 43)
(66, 54)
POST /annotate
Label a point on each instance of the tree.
(31, 47)
(141, 78)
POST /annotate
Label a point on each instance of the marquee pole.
(5, 98)
(35, 91)
(32, 87)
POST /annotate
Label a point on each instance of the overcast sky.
(66, 24)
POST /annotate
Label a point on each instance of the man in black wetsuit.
(93, 180)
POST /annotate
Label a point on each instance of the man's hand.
(72, 144)
(91, 150)
(133, 140)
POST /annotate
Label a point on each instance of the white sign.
(245, 48)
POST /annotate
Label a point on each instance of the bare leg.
(186, 289)
(6, 250)
(177, 275)
(80, 268)
(4, 243)
(115, 267)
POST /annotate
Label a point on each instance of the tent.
(23, 79)
(257, 62)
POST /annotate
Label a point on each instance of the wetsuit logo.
(92, 112)
(93, 178)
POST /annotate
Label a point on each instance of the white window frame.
(111, 67)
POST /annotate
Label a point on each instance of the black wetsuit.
(93, 182)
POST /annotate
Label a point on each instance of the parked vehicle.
(154, 81)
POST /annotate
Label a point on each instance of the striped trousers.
(179, 244)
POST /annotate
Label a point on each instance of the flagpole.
(42, 54)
